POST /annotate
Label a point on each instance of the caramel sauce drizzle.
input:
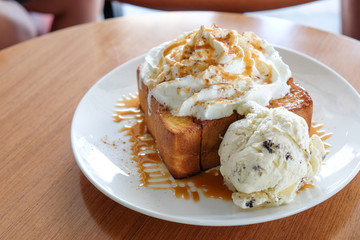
(127, 108)
(172, 46)
(315, 129)
(154, 174)
(201, 43)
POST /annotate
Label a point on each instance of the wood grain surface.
(44, 195)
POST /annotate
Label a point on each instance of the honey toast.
(188, 145)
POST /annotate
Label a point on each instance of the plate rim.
(187, 220)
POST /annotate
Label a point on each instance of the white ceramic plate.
(102, 152)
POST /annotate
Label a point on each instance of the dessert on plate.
(267, 156)
(193, 88)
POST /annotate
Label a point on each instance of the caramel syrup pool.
(152, 171)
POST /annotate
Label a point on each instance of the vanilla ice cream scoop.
(266, 156)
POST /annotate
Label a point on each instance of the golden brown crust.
(297, 101)
(212, 133)
(178, 139)
(188, 146)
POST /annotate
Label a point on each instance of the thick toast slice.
(212, 133)
(178, 139)
(188, 146)
(297, 101)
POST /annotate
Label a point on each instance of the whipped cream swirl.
(211, 72)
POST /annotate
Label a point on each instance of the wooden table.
(44, 195)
